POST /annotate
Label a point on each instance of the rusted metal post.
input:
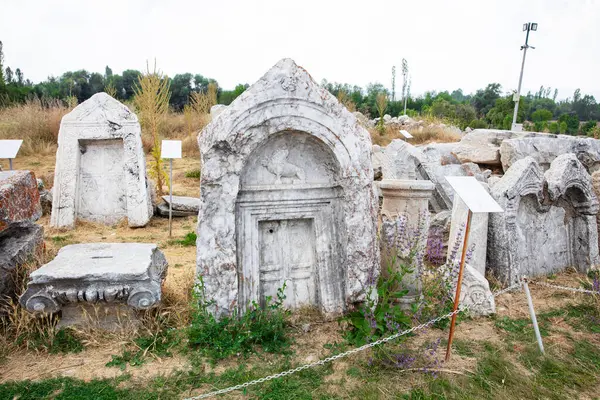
(459, 284)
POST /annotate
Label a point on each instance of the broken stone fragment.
(19, 198)
(182, 203)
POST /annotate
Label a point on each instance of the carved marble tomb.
(100, 170)
(286, 196)
(549, 222)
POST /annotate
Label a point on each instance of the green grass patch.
(188, 240)
(194, 173)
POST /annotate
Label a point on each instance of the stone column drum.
(404, 226)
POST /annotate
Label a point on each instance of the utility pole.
(530, 26)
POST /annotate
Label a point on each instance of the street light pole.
(530, 26)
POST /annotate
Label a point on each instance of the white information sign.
(9, 148)
(170, 149)
(406, 134)
(477, 199)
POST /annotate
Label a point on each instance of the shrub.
(588, 126)
(553, 127)
(239, 334)
(563, 127)
(571, 122)
(541, 115)
(194, 173)
(478, 124)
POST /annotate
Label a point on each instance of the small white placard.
(9, 148)
(170, 149)
(473, 194)
(406, 134)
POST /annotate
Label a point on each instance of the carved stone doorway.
(287, 254)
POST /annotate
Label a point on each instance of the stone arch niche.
(286, 195)
(100, 172)
(549, 222)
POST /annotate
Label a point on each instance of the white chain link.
(347, 353)
(579, 290)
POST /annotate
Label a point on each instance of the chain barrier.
(347, 353)
(579, 290)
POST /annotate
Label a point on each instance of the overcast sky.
(448, 44)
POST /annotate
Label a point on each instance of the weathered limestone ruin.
(20, 237)
(286, 196)
(99, 283)
(100, 173)
(549, 222)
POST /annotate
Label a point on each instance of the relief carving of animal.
(281, 168)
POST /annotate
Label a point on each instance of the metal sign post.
(477, 200)
(9, 149)
(170, 149)
(536, 328)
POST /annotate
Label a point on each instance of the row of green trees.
(487, 107)
(82, 84)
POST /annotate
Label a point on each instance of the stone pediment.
(100, 109)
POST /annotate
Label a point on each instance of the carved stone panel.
(286, 150)
(100, 169)
(549, 222)
(102, 192)
(287, 255)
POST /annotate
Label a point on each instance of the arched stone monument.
(100, 172)
(286, 196)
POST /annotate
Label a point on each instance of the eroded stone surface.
(544, 148)
(542, 232)
(128, 273)
(216, 110)
(19, 198)
(475, 293)
(18, 244)
(100, 172)
(286, 160)
(482, 146)
(162, 210)
(182, 203)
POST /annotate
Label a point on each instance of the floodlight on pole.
(530, 26)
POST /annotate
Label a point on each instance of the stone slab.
(163, 211)
(477, 245)
(544, 148)
(98, 261)
(182, 203)
(18, 244)
(19, 198)
(482, 146)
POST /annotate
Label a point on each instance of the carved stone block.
(98, 273)
(100, 172)
(549, 221)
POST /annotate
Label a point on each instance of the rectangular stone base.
(110, 317)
